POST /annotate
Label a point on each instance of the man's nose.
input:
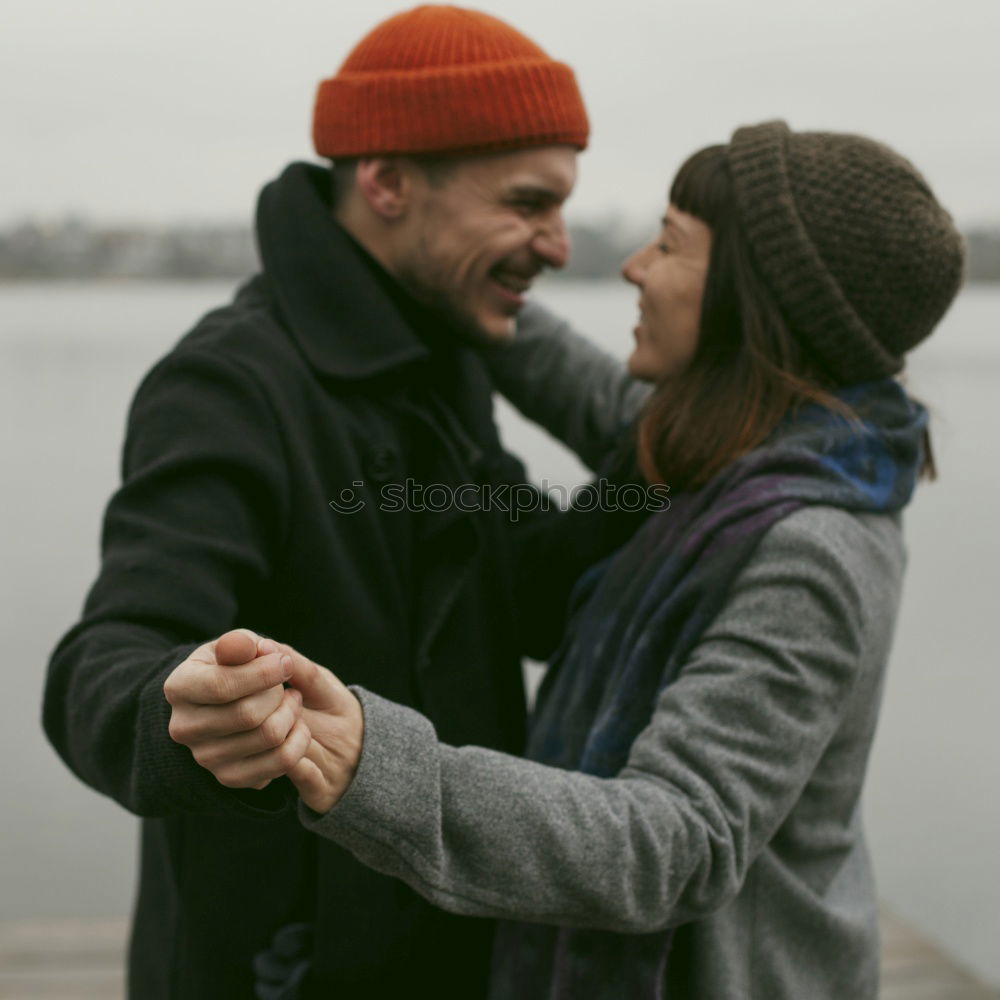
(551, 242)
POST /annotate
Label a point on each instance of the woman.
(687, 823)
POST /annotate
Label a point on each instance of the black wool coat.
(320, 376)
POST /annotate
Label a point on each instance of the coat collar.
(353, 322)
(347, 315)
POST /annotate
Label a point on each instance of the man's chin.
(488, 329)
(499, 333)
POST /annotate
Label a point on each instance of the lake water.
(70, 357)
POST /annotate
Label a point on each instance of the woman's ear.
(385, 184)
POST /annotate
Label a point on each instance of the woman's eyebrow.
(672, 229)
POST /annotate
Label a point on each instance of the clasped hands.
(231, 707)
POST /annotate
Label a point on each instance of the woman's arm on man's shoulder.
(560, 380)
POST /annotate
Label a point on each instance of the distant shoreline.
(134, 280)
(75, 249)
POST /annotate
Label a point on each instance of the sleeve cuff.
(167, 779)
(396, 784)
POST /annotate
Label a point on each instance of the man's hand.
(335, 720)
(229, 706)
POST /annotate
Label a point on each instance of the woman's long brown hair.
(748, 371)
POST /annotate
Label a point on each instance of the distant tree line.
(984, 254)
(73, 248)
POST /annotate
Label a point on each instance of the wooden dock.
(62, 959)
(914, 968)
(83, 960)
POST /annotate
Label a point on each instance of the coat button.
(382, 464)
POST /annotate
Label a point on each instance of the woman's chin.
(638, 367)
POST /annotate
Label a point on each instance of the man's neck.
(357, 224)
(433, 326)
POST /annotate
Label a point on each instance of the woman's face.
(670, 275)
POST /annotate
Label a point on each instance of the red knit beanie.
(440, 79)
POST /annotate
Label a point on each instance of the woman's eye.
(663, 248)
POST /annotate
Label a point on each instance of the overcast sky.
(180, 109)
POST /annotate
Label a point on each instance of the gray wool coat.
(737, 818)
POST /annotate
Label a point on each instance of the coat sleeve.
(558, 379)
(726, 755)
(195, 524)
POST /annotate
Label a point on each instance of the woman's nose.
(634, 267)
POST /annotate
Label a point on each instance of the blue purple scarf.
(637, 616)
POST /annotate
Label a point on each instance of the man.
(255, 462)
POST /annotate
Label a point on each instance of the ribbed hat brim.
(450, 109)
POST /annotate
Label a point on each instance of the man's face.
(473, 241)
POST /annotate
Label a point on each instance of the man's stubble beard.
(430, 288)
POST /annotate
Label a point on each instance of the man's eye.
(526, 206)
(663, 248)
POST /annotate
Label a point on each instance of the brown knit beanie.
(439, 79)
(861, 258)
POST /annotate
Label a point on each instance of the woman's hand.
(336, 722)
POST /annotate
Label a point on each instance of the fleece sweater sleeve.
(728, 750)
(561, 381)
(195, 524)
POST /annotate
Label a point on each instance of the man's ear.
(385, 184)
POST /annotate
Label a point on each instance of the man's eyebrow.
(536, 192)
